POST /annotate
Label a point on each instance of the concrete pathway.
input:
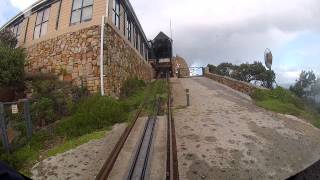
(223, 135)
(81, 163)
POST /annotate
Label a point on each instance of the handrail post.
(4, 134)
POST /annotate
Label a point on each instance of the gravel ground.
(81, 163)
(223, 135)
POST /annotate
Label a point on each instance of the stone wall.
(180, 67)
(241, 86)
(122, 61)
(75, 57)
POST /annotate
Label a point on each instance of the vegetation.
(8, 39)
(283, 101)
(251, 73)
(93, 113)
(304, 83)
(12, 60)
(53, 99)
(89, 119)
(73, 143)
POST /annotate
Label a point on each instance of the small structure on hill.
(180, 67)
(160, 54)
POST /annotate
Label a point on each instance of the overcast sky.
(215, 31)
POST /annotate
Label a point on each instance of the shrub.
(7, 38)
(131, 86)
(11, 66)
(62, 97)
(43, 111)
(93, 113)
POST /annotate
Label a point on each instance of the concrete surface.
(158, 151)
(121, 167)
(81, 163)
(223, 135)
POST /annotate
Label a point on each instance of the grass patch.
(283, 101)
(92, 114)
(75, 142)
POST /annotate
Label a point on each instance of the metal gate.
(190, 72)
(15, 123)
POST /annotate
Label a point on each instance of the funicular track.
(140, 164)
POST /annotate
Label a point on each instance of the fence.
(15, 123)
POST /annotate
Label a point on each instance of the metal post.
(188, 97)
(4, 136)
(27, 118)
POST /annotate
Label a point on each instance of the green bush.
(42, 111)
(7, 38)
(93, 113)
(11, 66)
(54, 99)
(131, 86)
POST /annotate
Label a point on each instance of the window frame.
(16, 30)
(41, 23)
(116, 15)
(136, 39)
(81, 8)
(128, 28)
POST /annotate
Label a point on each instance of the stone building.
(70, 38)
(180, 67)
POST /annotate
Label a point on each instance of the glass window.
(41, 27)
(86, 14)
(82, 11)
(136, 39)
(87, 3)
(128, 28)
(116, 13)
(141, 45)
(77, 4)
(75, 17)
(16, 30)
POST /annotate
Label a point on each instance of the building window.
(125, 23)
(146, 53)
(41, 23)
(141, 46)
(116, 13)
(128, 28)
(16, 29)
(136, 39)
(81, 11)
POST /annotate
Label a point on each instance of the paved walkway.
(223, 135)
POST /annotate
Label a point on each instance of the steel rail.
(108, 165)
(140, 162)
(172, 172)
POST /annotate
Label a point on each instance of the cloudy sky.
(215, 31)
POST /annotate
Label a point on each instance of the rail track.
(139, 166)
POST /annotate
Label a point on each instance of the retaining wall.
(75, 57)
(241, 86)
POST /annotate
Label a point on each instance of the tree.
(11, 60)
(251, 73)
(7, 38)
(212, 68)
(303, 84)
(226, 69)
